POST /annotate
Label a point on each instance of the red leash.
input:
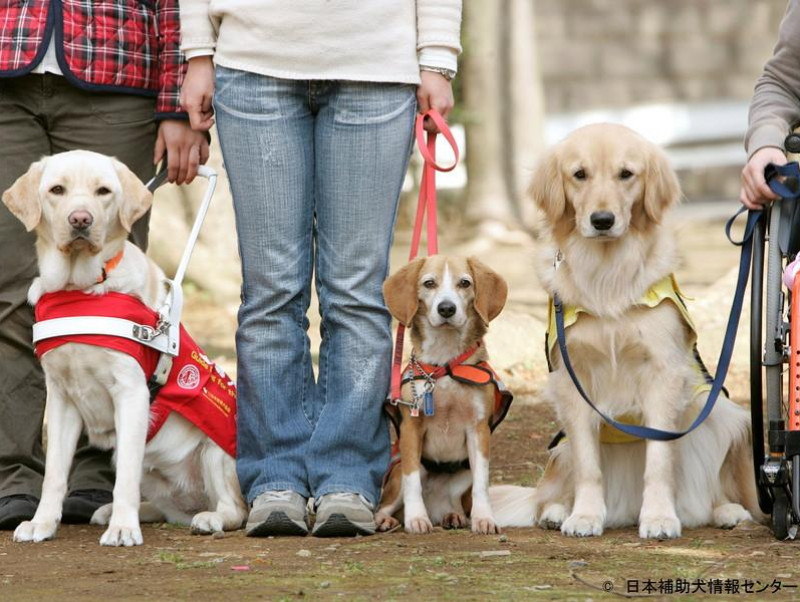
(426, 203)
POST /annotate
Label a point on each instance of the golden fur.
(631, 360)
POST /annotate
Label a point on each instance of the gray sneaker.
(278, 513)
(344, 515)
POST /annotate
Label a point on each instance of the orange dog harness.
(196, 389)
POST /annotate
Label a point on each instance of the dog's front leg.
(478, 442)
(64, 426)
(416, 516)
(131, 415)
(589, 509)
(658, 518)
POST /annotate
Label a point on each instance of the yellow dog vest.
(665, 289)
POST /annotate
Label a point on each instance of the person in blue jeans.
(315, 104)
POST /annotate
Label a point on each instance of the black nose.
(602, 220)
(80, 219)
(446, 309)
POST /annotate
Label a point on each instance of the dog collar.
(435, 371)
(109, 265)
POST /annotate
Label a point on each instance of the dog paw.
(36, 532)
(659, 527)
(727, 516)
(553, 517)
(484, 525)
(102, 516)
(419, 524)
(205, 523)
(583, 525)
(454, 520)
(384, 522)
(121, 535)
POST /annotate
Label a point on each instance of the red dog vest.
(196, 389)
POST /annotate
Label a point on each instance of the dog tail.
(513, 506)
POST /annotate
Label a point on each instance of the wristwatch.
(448, 74)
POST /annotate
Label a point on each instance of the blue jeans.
(316, 169)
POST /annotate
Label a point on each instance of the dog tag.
(415, 412)
(429, 403)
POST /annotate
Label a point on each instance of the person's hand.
(197, 91)
(185, 149)
(755, 191)
(435, 92)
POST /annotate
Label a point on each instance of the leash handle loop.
(773, 174)
(427, 203)
(725, 355)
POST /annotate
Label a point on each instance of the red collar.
(109, 265)
(436, 371)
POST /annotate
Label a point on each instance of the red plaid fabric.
(112, 45)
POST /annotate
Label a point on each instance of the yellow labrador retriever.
(444, 442)
(82, 205)
(604, 193)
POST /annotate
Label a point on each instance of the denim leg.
(362, 145)
(267, 138)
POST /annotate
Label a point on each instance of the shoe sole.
(338, 525)
(277, 523)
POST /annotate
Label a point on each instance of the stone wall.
(610, 53)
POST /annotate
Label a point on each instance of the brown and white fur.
(186, 477)
(631, 360)
(448, 303)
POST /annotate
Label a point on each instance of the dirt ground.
(521, 564)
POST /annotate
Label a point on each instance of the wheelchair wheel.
(781, 515)
(757, 365)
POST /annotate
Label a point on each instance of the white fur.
(186, 477)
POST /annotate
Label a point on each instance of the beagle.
(451, 400)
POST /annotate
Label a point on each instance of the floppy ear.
(136, 198)
(661, 188)
(491, 290)
(400, 292)
(22, 199)
(547, 187)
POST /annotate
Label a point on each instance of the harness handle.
(427, 203)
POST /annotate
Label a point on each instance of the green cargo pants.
(42, 115)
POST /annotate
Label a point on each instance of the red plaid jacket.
(129, 46)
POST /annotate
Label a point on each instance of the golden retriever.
(448, 303)
(82, 205)
(604, 193)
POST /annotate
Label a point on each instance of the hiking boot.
(15, 509)
(80, 505)
(344, 515)
(278, 513)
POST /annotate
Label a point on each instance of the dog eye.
(464, 283)
(57, 189)
(580, 174)
(102, 191)
(429, 283)
(625, 174)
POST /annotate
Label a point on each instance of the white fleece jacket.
(361, 40)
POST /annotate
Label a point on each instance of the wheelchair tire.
(781, 514)
(773, 356)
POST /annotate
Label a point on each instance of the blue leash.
(645, 432)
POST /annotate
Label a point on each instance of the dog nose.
(80, 219)
(602, 220)
(446, 309)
